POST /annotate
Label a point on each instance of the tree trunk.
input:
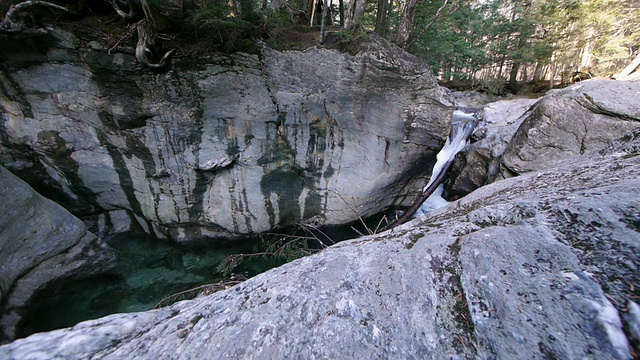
(406, 23)
(513, 77)
(537, 73)
(348, 18)
(359, 12)
(629, 68)
(313, 11)
(381, 17)
(341, 10)
(355, 13)
(323, 21)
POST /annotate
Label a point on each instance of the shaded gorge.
(153, 273)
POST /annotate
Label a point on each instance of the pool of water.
(149, 270)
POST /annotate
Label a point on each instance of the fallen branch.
(425, 195)
(206, 289)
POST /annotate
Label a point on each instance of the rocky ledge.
(543, 265)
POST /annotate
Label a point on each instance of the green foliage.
(351, 36)
(466, 37)
(494, 86)
(276, 21)
(611, 30)
(236, 23)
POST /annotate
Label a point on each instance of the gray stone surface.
(40, 242)
(533, 267)
(224, 145)
(578, 119)
(479, 163)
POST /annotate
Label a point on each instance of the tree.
(406, 23)
(355, 13)
(381, 16)
(613, 39)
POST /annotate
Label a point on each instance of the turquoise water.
(149, 270)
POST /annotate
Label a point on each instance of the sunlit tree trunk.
(629, 69)
(537, 73)
(406, 23)
(355, 13)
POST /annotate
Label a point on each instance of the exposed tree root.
(146, 46)
(14, 24)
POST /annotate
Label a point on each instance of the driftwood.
(13, 23)
(146, 46)
(406, 216)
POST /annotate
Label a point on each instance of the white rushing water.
(462, 126)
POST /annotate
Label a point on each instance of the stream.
(149, 270)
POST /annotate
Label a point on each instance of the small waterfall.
(462, 127)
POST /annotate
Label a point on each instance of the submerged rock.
(40, 243)
(535, 266)
(223, 145)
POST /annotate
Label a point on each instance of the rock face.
(40, 242)
(533, 267)
(479, 163)
(522, 135)
(572, 121)
(224, 145)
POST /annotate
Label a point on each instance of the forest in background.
(500, 44)
(495, 45)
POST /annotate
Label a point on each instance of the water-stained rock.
(479, 163)
(224, 145)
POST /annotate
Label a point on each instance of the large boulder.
(524, 134)
(576, 120)
(533, 267)
(40, 243)
(225, 145)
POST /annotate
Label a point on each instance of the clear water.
(149, 270)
